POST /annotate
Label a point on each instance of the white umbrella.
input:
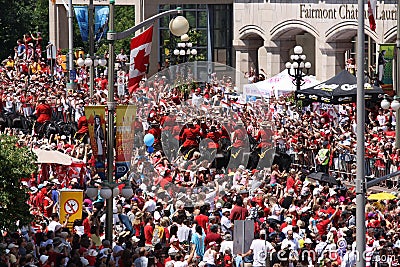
(53, 157)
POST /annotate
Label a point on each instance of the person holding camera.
(260, 248)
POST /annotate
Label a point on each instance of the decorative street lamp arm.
(113, 36)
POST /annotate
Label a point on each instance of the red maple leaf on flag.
(141, 61)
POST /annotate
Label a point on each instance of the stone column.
(247, 53)
(277, 55)
(331, 59)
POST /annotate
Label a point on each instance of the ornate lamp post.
(89, 62)
(297, 68)
(184, 49)
(178, 26)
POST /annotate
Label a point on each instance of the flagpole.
(360, 173)
(397, 144)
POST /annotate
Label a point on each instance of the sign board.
(51, 51)
(243, 235)
(121, 82)
(70, 204)
(72, 75)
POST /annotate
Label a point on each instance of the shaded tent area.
(340, 89)
(280, 84)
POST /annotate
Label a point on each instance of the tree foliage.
(124, 18)
(20, 17)
(15, 163)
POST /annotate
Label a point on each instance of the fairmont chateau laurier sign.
(309, 11)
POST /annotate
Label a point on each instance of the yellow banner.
(125, 133)
(96, 124)
(71, 203)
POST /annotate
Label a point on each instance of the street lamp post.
(71, 44)
(91, 48)
(178, 27)
(360, 133)
(89, 62)
(298, 66)
(184, 49)
(397, 144)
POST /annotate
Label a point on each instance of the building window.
(197, 16)
(216, 18)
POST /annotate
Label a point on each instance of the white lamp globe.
(176, 52)
(385, 104)
(288, 65)
(395, 105)
(193, 52)
(185, 38)
(91, 191)
(295, 65)
(189, 44)
(301, 65)
(307, 65)
(88, 61)
(296, 57)
(179, 26)
(127, 192)
(102, 62)
(303, 57)
(115, 191)
(182, 52)
(96, 62)
(298, 50)
(106, 192)
(80, 62)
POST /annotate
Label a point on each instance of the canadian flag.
(371, 14)
(139, 58)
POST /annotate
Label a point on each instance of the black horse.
(16, 121)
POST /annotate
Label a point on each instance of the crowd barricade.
(346, 170)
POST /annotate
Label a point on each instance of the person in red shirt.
(202, 219)
(323, 224)
(238, 212)
(238, 144)
(189, 138)
(43, 111)
(83, 128)
(155, 130)
(148, 231)
(212, 236)
(215, 136)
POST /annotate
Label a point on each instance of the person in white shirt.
(55, 222)
(150, 205)
(227, 243)
(260, 248)
(183, 261)
(226, 224)
(291, 243)
(211, 254)
(197, 99)
(183, 231)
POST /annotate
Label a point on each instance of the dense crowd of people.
(210, 167)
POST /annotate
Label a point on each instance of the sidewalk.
(374, 189)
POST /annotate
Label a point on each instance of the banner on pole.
(82, 16)
(101, 14)
(388, 67)
(125, 133)
(70, 204)
(96, 124)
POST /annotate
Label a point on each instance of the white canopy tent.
(280, 84)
